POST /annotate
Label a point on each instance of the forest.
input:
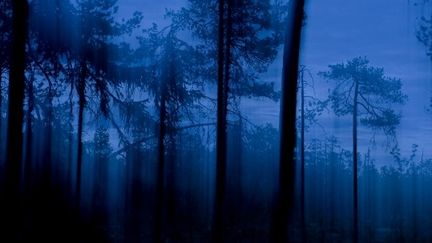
(215, 121)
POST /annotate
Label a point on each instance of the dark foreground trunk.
(15, 118)
(285, 191)
(1, 116)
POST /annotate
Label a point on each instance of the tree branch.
(142, 140)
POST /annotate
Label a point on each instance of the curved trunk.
(284, 200)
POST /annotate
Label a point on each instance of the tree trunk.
(1, 114)
(70, 139)
(47, 155)
(161, 166)
(99, 193)
(81, 104)
(171, 146)
(29, 135)
(49, 119)
(355, 169)
(15, 117)
(171, 177)
(285, 191)
(221, 133)
(224, 68)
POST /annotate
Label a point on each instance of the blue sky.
(384, 31)
(336, 31)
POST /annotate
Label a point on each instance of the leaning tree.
(367, 94)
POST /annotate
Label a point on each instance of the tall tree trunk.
(285, 191)
(221, 130)
(70, 138)
(1, 114)
(29, 135)
(15, 116)
(171, 121)
(46, 173)
(171, 176)
(49, 120)
(355, 165)
(302, 158)
(161, 165)
(81, 105)
(99, 193)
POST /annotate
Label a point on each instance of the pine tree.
(369, 96)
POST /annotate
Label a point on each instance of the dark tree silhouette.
(5, 43)
(15, 116)
(245, 44)
(102, 150)
(170, 81)
(48, 52)
(98, 28)
(253, 32)
(221, 133)
(285, 190)
(29, 129)
(360, 85)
